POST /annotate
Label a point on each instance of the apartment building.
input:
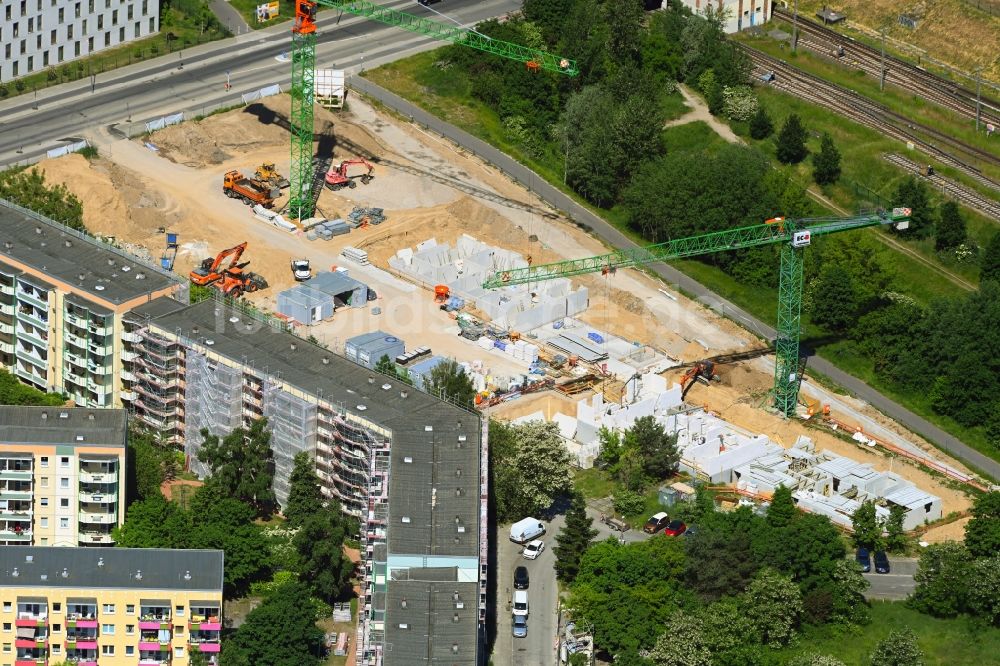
(737, 14)
(109, 606)
(62, 475)
(410, 466)
(38, 34)
(62, 298)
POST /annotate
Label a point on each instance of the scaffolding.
(213, 400)
(370, 641)
(292, 422)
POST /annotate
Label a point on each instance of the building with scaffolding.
(63, 296)
(410, 466)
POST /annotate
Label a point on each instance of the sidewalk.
(228, 16)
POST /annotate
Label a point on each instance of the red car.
(675, 528)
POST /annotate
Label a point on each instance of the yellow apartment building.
(62, 475)
(109, 606)
(62, 298)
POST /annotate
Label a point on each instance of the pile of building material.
(464, 268)
(359, 257)
(328, 229)
(273, 218)
(718, 452)
(361, 216)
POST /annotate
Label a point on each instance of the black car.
(864, 559)
(881, 562)
(521, 578)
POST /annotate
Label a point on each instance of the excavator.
(704, 370)
(337, 177)
(231, 280)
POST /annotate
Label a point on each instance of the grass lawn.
(593, 483)
(944, 642)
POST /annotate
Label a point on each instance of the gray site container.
(305, 305)
(366, 349)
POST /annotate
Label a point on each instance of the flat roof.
(94, 569)
(361, 341)
(89, 265)
(65, 426)
(431, 626)
(156, 307)
(335, 282)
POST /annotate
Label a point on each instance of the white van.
(525, 530)
(521, 602)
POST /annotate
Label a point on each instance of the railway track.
(872, 114)
(899, 72)
(987, 206)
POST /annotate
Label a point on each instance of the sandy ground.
(429, 190)
(548, 402)
(954, 531)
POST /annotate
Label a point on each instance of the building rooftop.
(364, 339)
(429, 625)
(156, 308)
(38, 567)
(65, 426)
(335, 282)
(69, 257)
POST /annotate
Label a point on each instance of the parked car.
(864, 559)
(533, 549)
(656, 523)
(519, 626)
(690, 531)
(520, 602)
(675, 528)
(521, 578)
(525, 530)
(881, 562)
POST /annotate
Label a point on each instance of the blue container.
(596, 337)
(502, 346)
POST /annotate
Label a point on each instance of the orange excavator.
(231, 280)
(338, 177)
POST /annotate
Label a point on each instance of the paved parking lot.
(895, 585)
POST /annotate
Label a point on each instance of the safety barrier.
(67, 149)
(266, 91)
(165, 121)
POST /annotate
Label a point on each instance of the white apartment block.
(38, 34)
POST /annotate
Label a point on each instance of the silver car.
(519, 625)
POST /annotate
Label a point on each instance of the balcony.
(100, 328)
(94, 518)
(99, 349)
(91, 538)
(7, 309)
(81, 615)
(77, 319)
(6, 347)
(7, 288)
(75, 340)
(99, 497)
(99, 369)
(16, 474)
(39, 300)
(106, 476)
(131, 336)
(36, 616)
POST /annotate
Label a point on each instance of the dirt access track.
(173, 181)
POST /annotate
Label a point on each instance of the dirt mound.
(104, 207)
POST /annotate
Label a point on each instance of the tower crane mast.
(793, 236)
(301, 200)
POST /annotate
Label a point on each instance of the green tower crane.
(793, 235)
(301, 203)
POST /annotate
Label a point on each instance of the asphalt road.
(895, 585)
(194, 79)
(538, 647)
(586, 219)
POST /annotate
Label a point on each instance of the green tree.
(720, 560)
(28, 189)
(912, 193)
(573, 540)
(629, 471)
(304, 496)
(899, 648)
(984, 589)
(815, 659)
(982, 533)
(992, 427)
(782, 511)
(895, 540)
(683, 643)
(611, 447)
(197, 657)
(990, 263)
(835, 305)
(320, 545)
(627, 503)
(761, 125)
(531, 467)
(826, 163)
(773, 605)
(448, 381)
(13, 392)
(950, 229)
(386, 366)
(660, 456)
(791, 141)
(867, 528)
(154, 523)
(942, 580)
(148, 460)
(242, 462)
(281, 631)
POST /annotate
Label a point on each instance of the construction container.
(368, 348)
(305, 304)
(421, 370)
(344, 289)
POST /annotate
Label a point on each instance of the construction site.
(415, 252)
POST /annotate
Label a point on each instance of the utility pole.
(795, 26)
(881, 80)
(979, 84)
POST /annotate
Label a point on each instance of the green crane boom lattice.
(794, 235)
(301, 199)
